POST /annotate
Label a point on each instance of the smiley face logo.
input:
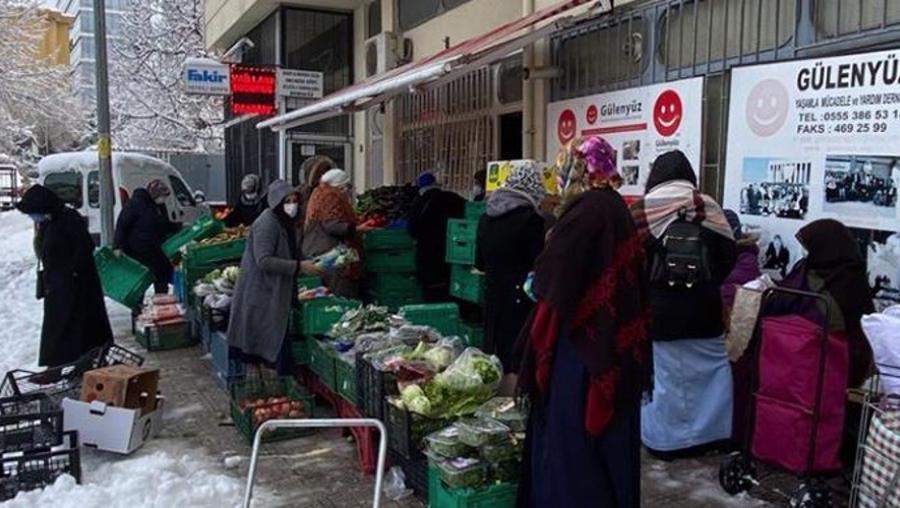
(592, 114)
(567, 126)
(767, 107)
(667, 113)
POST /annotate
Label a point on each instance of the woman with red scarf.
(587, 352)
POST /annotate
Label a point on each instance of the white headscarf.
(336, 178)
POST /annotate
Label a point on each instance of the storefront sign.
(498, 172)
(640, 123)
(253, 90)
(204, 76)
(300, 84)
(817, 139)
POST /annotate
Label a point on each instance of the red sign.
(253, 89)
(667, 113)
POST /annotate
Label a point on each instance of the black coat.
(428, 218)
(507, 248)
(75, 319)
(244, 214)
(142, 228)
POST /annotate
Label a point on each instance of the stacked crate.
(466, 282)
(390, 260)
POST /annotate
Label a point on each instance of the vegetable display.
(477, 432)
(446, 443)
(386, 204)
(273, 408)
(506, 411)
(462, 472)
(367, 319)
(217, 287)
(228, 235)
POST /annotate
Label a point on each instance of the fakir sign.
(204, 76)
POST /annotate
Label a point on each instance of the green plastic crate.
(475, 209)
(164, 338)
(295, 322)
(388, 239)
(199, 254)
(443, 317)
(467, 284)
(395, 300)
(345, 380)
(264, 388)
(384, 283)
(300, 350)
(123, 279)
(319, 315)
(321, 362)
(501, 495)
(309, 282)
(391, 261)
(461, 241)
(203, 227)
(472, 333)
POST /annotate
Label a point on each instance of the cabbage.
(439, 358)
(410, 393)
(420, 405)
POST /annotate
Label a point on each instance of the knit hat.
(425, 180)
(158, 189)
(526, 178)
(735, 222)
(336, 178)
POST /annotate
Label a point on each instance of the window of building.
(85, 73)
(67, 186)
(86, 21)
(182, 193)
(509, 80)
(412, 13)
(83, 48)
(373, 19)
(93, 188)
(834, 18)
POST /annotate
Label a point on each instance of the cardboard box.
(111, 428)
(122, 386)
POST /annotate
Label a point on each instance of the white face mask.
(291, 209)
(251, 196)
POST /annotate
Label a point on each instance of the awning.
(444, 66)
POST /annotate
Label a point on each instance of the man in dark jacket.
(428, 218)
(142, 228)
(75, 319)
(250, 204)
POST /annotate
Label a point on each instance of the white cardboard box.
(111, 428)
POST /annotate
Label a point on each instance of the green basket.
(388, 239)
(264, 388)
(443, 317)
(467, 284)
(317, 316)
(321, 362)
(391, 261)
(472, 333)
(345, 380)
(199, 254)
(203, 227)
(164, 338)
(461, 241)
(309, 282)
(300, 350)
(393, 283)
(123, 279)
(393, 300)
(501, 495)
(475, 209)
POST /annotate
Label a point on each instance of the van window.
(182, 194)
(67, 186)
(93, 190)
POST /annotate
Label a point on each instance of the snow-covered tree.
(149, 107)
(39, 112)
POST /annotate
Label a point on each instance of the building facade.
(81, 38)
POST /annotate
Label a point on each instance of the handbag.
(880, 474)
(747, 303)
(39, 286)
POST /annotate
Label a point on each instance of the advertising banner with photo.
(818, 139)
(640, 123)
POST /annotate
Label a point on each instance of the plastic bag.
(337, 258)
(395, 487)
(472, 369)
(882, 331)
(412, 334)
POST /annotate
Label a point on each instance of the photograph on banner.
(861, 185)
(640, 123)
(775, 187)
(779, 248)
(883, 263)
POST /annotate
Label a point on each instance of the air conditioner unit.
(384, 52)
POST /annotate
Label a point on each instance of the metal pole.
(104, 143)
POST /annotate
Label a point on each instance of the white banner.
(815, 139)
(640, 123)
(300, 84)
(205, 76)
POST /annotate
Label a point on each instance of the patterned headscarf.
(526, 178)
(158, 189)
(585, 163)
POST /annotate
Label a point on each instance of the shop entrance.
(510, 136)
(299, 151)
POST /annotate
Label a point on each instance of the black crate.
(35, 470)
(116, 355)
(416, 472)
(30, 422)
(407, 431)
(372, 386)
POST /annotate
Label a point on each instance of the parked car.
(9, 186)
(75, 177)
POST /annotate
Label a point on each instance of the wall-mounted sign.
(300, 84)
(253, 89)
(205, 76)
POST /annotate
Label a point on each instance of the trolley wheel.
(737, 474)
(812, 494)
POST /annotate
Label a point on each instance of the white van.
(74, 176)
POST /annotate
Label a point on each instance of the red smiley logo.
(592, 114)
(667, 113)
(567, 126)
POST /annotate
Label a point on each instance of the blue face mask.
(39, 217)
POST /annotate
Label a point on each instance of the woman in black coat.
(510, 238)
(75, 319)
(143, 227)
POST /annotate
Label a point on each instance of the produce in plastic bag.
(506, 471)
(506, 411)
(371, 318)
(446, 443)
(414, 334)
(477, 432)
(382, 359)
(499, 452)
(337, 258)
(395, 485)
(462, 472)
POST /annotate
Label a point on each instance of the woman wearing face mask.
(143, 227)
(75, 319)
(249, 206)
(330, 221)
(265, 290)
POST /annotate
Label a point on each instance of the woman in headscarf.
(587, 353)
(250, 205)
(75, 319)
(264, 293)
(746, 267)
(510, 238)
(312, 169)
(692, 393)
(330, 221)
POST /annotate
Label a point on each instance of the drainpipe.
(528, 106)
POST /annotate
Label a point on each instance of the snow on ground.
(699, 480)
(20, 330)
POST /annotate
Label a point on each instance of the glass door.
(300, 151)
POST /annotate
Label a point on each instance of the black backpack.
(681, 258)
